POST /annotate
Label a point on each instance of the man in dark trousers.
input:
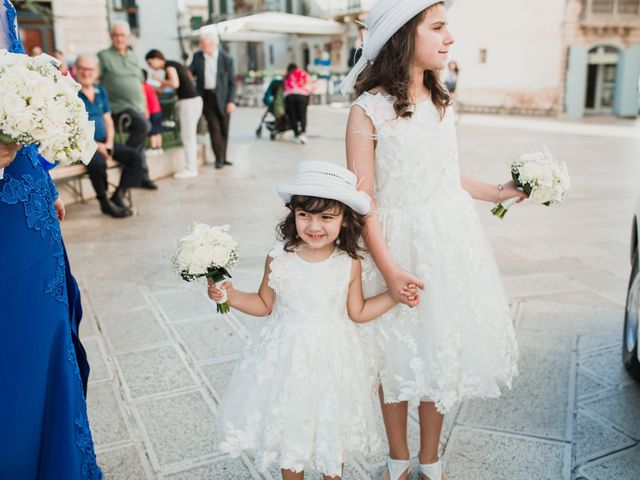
(216, 83)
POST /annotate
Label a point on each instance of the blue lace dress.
(44, 429)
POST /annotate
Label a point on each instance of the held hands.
(217, 293)
(403, 287)
(509, 190)
(8, 153)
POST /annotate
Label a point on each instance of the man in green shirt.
(121, 76)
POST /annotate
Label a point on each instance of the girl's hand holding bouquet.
(207, 252)
(542, 177)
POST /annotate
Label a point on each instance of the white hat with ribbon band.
(385, 18)
(326, 180)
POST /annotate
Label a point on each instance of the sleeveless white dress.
(302, 395)
(459, 342)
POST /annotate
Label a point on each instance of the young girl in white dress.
(459, 342)
(301, 396)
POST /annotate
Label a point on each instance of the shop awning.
(271, 26)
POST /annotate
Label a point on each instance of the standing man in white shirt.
(216, 83)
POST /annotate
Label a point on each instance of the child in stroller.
(275, 118)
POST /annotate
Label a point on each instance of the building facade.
(78, 26)
(577, 57)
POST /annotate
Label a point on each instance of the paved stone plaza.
(160, 357)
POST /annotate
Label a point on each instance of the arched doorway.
(602, 71)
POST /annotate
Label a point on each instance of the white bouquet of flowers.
(207, 252)
(541, 176)
(39, 105)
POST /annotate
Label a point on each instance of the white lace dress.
(302, 396)
(459, 342)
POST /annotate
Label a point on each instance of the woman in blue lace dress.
(44, 429)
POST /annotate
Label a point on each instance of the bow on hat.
(385, 18)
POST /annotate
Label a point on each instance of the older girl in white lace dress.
(459, 342)
(302, 394)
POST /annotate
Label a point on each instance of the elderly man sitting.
(97, 105)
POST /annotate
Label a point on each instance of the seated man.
(97, 105)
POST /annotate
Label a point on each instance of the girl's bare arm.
(258, 304)
(363, 310)
(361, 161)
(488, 192)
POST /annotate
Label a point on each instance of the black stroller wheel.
(273, 135)
(259, 132)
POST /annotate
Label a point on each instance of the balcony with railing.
(611, 13)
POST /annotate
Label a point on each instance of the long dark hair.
(391, 71)
(350, 232)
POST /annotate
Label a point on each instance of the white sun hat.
(385, 18)
(326, 180)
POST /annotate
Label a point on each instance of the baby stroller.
(275, 118)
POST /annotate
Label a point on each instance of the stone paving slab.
(595, 438)
(478, 454)
(227, 468)
(625, 464)
(621, 409)
(154, 371)
(123, 463)
(178, 428)
(108, 423)
(133, 330)
(538, 404)
(209, 338)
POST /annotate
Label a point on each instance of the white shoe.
(184, 174)
(431, 471)
(297, 140)
(303, 139)
(396, 468)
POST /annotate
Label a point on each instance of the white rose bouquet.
(39, 105)
(541, 176)
(207, 252)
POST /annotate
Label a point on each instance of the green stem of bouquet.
(6, 139)
(499, 211)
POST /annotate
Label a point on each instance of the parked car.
(630, 351)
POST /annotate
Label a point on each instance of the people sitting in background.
(121, 77)
(35, 51)
(99, 110)
(178, 78)
(155, 117)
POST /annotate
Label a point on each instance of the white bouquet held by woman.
(540, 175)
(207, 252)
(39, 105)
